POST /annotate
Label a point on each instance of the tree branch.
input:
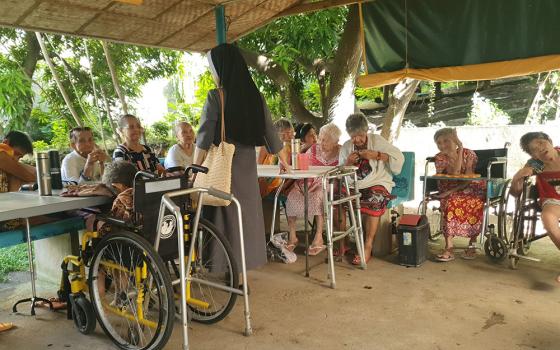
(281, 80)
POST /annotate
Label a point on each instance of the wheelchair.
(123, 278)
(523, 232)
(492, 167)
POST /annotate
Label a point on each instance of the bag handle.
(222, 102)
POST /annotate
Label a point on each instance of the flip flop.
(470, 254)
(446, 256)
(292, 246)
(316, 249)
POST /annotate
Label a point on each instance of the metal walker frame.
(167, 202)
(328, 179)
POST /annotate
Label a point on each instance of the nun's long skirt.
(245, 188)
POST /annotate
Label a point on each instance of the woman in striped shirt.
(141, 156)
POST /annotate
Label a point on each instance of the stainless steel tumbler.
(43, 173)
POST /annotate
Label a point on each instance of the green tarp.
(426, 34)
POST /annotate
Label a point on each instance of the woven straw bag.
(218, 161)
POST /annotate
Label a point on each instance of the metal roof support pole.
(220, 13)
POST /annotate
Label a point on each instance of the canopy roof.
(444, 40)
(176, 24)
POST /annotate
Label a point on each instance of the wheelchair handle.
(194, 168)
(145, 174)
(220, 194)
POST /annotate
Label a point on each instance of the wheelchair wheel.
(506, 212)
(83, 314)
(495, 248)
(523, 230)
(435, 221)
(212, 262)
(131, 292)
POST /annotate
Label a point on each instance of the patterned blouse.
(145, 160)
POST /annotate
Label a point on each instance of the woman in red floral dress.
(462, 202)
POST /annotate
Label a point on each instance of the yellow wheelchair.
(127, 278)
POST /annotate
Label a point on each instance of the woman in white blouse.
(181, 153)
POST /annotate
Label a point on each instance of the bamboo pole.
(57, 79)
(116, 84)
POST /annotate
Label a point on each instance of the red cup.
(303, 160)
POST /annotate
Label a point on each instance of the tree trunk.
(114, 76)
(398, 102)
(32, 56)
(57, 79)
(339, 100)
(116, 135)
(533, 114)
(340, 97)
(439, 91)
(281, 79)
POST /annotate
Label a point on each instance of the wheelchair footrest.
(530, 258)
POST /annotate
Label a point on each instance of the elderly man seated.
(85, 163)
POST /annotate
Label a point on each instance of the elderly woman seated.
(323, 153)
(545, 163)
(180, 155)
(462, 203)
(377, 161)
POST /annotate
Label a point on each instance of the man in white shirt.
(85, 163)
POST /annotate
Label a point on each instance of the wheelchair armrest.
(113, 221)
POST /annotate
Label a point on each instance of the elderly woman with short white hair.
(180, 155)
(323, 153)
(377, 161)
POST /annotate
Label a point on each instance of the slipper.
(469, 254)
(446, 256)
(6, 326)
(57, 304)
(316, 249)
(358, 261)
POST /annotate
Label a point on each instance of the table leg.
(305, 219)
(34, 298)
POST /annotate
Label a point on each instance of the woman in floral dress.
(323, 153)
(462, 202)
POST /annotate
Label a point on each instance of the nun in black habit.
(247, 124)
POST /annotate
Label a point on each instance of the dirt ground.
(457, 305)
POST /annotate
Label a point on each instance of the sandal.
(470, 254)
(316, 249)
(292, 246)
(446, 255)
(6, 326)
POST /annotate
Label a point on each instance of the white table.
(24, 205)
(313, 172)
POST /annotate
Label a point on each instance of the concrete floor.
(457, 305)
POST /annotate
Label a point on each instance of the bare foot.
(558, 279)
